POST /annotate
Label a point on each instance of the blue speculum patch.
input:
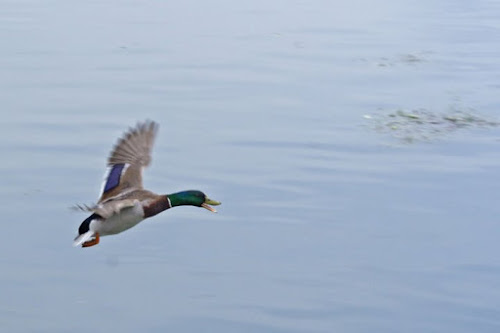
(113, 177)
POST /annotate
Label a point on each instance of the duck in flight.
(124, 202)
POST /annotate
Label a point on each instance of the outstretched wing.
(130, 155)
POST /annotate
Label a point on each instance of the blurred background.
(327, 224)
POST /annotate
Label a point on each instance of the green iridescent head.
(192, 198)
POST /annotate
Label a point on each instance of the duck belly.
(126, 219)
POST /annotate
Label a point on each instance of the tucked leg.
(93, 242)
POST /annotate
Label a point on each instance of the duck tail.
(80, 239)
(85, 232)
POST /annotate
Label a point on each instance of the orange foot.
(93, 242)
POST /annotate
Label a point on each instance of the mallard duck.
(124, 202)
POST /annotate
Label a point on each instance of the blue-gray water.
(326, 225)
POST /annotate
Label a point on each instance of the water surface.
(325, 225)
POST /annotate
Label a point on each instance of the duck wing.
(130, 155)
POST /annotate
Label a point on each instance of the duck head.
(192, 198)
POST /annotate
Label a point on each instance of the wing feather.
(130, 155)
(135, 147)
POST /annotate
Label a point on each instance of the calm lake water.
(326, 225)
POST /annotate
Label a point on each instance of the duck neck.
(157, 206)
(164, 202)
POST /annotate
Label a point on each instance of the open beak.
(208, 202)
